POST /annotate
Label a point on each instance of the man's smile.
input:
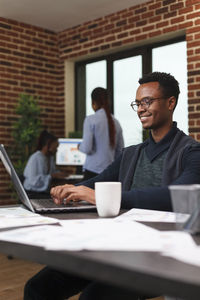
(144, 117)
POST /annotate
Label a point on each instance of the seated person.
(169, 156)
(40, 169)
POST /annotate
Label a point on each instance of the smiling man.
(168, 157)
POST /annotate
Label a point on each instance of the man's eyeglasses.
(145, 103)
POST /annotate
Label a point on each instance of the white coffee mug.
(108, 198)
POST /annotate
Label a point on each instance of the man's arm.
(157, 198)
(111, 173)
(85, 190)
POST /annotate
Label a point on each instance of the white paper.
(115, 234)
(174, 240)
(35, 236)
(89, 235)
(19, 217)
(186, 255)
(180, 245)
(15, 211)
(148, 215)
(106, 234)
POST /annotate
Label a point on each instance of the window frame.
(80, 73)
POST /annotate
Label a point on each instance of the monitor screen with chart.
(68, 154)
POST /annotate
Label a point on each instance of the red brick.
(185, 10)
(128, 41)
(177, 6)
(134, 19)
(127, 15)
(170, 15)
(194, 29)
(147, 15)
(170, 29)
(167, 2)
(135, 31)
(177, 20)
(122, 35)
(162, 24)
(192, 16)
(155, 19)
(148, 28)
(155, 33)
(191, 2)
(161, 10)
(141, 37)
(155, 6)
(185, 25)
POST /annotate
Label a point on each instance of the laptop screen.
(68, 154)
(14, 177)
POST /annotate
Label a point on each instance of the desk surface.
(146, 271)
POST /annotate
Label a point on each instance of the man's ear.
(172, 103)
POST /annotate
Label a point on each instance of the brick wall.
(140, 24)
(29, 63)
(31, 58)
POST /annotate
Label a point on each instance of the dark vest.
(172, 166)
(148, 173)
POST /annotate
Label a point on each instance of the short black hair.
(167, 82)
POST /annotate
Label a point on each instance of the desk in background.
(70, 179)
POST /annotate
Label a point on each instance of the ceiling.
(57, 15)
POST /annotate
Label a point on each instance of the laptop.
(39, 205)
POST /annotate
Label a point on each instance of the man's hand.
(71, 192)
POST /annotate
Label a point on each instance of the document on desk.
(106, 234)
(148, 215)
(180, 245)
(76, 235)
(35, 235)
(175, 244)
(11, 217)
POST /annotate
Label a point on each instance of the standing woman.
(102, 135)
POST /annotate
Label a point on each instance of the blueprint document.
(148, 215)
(98, 234)
(107, 235)
(17, 216)
(110, 234)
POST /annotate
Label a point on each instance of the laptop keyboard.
(49, 204)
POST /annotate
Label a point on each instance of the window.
(95, 76)
(173, 59)
(125, 79)
(119, 73)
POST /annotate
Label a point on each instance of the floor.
(14, 274)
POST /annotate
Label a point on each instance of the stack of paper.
(116, 234)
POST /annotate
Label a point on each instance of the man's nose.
(141, 107)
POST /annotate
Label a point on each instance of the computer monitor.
(68, 154)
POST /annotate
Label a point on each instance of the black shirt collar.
(154, 149)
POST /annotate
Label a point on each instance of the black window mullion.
(147, 61)
(80, 74)
(80, 96)
(110, 82)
